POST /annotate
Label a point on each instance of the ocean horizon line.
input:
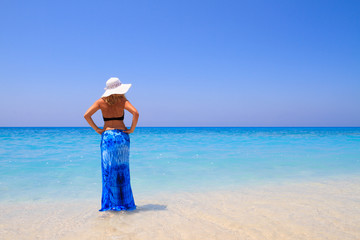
(190, 126)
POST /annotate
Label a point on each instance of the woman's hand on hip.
(100, 131)
(128, 131)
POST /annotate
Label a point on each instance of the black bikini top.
(114, 118)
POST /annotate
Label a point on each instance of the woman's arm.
(135, 113)
(88, 118)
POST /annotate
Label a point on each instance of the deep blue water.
(52, 163)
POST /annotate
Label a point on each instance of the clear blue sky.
(191, 63)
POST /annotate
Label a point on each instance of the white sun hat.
(114, 86)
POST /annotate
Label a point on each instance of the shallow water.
(53, 163)
(327, 209)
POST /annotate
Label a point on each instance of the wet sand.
(326, 209)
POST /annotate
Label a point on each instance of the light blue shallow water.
(53, 163)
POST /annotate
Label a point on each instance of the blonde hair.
(113, 98)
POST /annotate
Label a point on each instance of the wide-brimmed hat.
(114, 86)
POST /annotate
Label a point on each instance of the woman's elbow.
(136, 114)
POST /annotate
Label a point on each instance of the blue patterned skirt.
(116, 189)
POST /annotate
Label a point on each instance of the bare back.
(111, 111)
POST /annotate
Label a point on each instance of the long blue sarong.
(116, 189)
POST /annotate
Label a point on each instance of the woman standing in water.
(115, 145)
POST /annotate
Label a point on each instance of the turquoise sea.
(44, 163)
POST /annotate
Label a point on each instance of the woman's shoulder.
(100, 102)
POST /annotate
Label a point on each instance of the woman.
(115, 145)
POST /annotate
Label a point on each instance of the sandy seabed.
(304, 210)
